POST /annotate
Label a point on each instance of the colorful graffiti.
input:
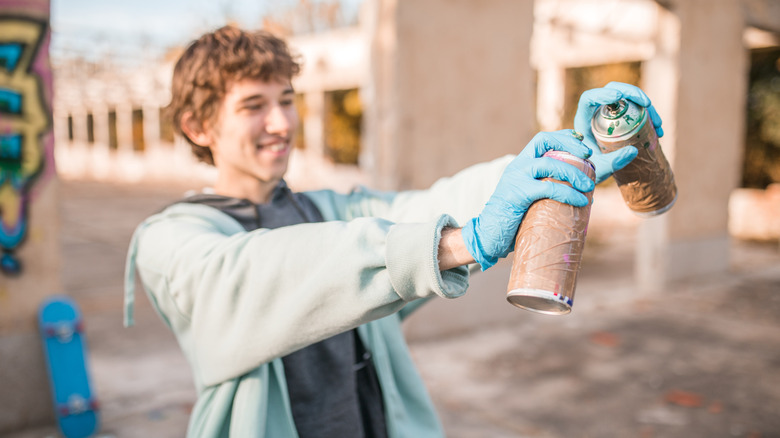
(24, 120)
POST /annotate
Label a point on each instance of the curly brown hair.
(212, 63)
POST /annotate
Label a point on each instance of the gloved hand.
(608, 163)
(491, 235)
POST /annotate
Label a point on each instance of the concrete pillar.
(24, 398)
(60, 129)
(124, 127)
(100, 126)
(79, 126)
(151, 125)
(452, 84)
(100, 154)
(698, 83)
(550, 96)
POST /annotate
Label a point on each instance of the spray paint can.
(647, 183)
(548, 250)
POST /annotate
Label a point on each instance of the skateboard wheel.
(64, 332)
(77, 404)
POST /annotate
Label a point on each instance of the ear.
(194, 130)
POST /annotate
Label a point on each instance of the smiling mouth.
(275, 146)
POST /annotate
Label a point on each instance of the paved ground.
(701, 359)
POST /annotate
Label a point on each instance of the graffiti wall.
(26, 142)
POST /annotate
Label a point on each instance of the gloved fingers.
(589, 102)
(563, 193)
(630, 92)
(563, 140)
(656, 119)
(636, 95)
(568, 141)
(547, 167)
(607, 164)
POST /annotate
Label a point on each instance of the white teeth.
(276, 147)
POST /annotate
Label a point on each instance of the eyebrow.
(261, 96)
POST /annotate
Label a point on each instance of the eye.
(286, 102)
(254, 106)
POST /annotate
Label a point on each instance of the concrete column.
(451, 85)
(79, 126)
(24, 398)
(449, 91)
(100, 126)
(697, 81)
(550, 96)
(60, 129)
(151, 125)
(124, 128)
(100, 154)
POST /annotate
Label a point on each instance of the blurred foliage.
(289, 17)
(343, 120)
(761, 165)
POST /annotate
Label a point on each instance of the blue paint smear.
(10, 101)
(9, 55)
(11, 147)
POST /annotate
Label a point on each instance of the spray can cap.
(617, 119)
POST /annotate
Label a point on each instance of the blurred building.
(403, 99)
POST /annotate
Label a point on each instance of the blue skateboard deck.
(65, 351)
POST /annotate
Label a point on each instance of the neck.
(259, 192)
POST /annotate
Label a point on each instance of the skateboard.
(65, 351)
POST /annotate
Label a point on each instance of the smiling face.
(251, 138)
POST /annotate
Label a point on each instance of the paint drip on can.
(647, 182)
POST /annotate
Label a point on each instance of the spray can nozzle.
(614, 110)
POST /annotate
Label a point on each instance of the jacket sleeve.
(240, 299)
(460, 196)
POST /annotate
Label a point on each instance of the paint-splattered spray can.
(647, 182)
(548, 250)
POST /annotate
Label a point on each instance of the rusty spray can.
(647, 182)
(548, 250)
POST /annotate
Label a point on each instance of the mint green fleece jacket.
(238, 301)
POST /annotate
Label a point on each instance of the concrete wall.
(451, 84)
(29, 213)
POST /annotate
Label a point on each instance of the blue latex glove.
(491, 235)
(606, 164)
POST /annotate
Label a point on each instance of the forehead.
(256, 88)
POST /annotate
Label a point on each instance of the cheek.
(292, 118)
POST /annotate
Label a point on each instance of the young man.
(288, 305)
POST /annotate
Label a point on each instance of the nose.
(278, 121)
